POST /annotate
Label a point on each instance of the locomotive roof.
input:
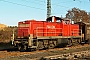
(57, 18)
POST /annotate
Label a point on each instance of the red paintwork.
(75, 30)
(43, 28)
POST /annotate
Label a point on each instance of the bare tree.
(89, 17)
(77, 15)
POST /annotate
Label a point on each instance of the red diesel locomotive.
(51, 33)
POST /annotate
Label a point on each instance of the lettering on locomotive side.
(50, 26)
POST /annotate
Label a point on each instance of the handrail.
(74, 31)
(47, 31)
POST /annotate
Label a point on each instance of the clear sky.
(13, 11)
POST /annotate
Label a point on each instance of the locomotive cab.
(58, 20)
(54, 19)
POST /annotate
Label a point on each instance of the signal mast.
(48, 8)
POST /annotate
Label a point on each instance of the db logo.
(51, 26)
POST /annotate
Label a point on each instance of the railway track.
(69, 56)
(41, 53)
(11, 49)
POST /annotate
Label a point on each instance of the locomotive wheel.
(40, 45)
(22, 47)
(55, 42)
(75, 42)
(79, 41)
(51, 44)
(69, 42)
(25, 47)
(19, 47)
(45, 44)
